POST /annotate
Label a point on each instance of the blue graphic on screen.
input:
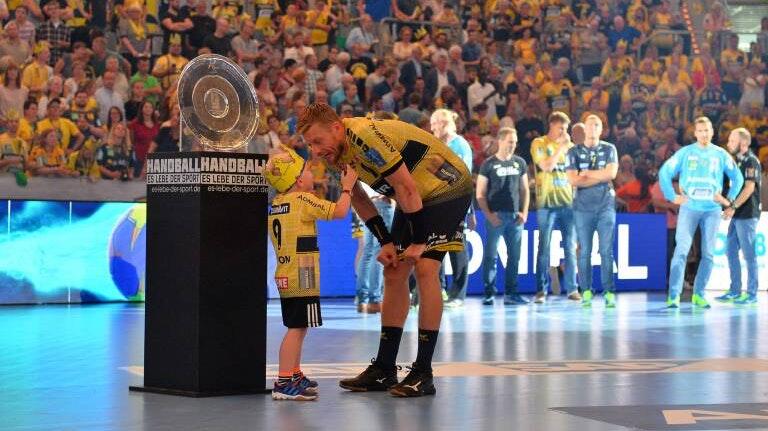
(72, 252)
(92, 252)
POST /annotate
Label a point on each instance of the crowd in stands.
(88, 87)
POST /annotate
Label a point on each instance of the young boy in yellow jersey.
(293, 231)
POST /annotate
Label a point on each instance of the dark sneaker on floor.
(417, 383)
(746, 299)
(728, 297)
(488, 300)
(514, 299)
(373, 378)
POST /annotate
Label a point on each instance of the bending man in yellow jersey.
(293, 231)
(433, 190)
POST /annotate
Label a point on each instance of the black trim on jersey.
(392, 170)
(413, 153)
(306, 244)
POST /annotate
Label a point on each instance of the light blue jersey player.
(700, 167)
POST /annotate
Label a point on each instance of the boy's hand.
(348, 178)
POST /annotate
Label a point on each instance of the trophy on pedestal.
(206, 298)
(218, 104)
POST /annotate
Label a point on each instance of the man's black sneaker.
(373, 378)
(415, 384)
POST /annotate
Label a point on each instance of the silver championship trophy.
(218, 105)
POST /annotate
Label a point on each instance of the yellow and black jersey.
(293, 231)
(377, 148)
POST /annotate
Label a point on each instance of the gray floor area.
(538, 367)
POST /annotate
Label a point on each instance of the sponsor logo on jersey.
(280, 209)
(281, 282)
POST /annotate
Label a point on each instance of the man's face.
(53, 10)
(222, 26)
(13, 126)
(734, 143)
(21, 14)
(442, 63)
(31, 112)
(703, 133)
(508, 143)
(109, 80)
(593, 127)
(367, 22)
(437, 125)
(323, 141)
(54, 110)
(81, 99)
(557, 129)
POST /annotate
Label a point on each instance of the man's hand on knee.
(413, 252)
(388, 255)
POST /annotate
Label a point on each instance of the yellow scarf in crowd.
(138, 29)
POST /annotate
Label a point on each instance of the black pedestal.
(206, 297)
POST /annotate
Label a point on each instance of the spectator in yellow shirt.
(320, 21)
(82, 163)
(559, 93)
(68, 135)
(597, 92)
(48, 159)
(648, 76)
(28, 123)
(36, 74)
(525, 48)
(13, 149)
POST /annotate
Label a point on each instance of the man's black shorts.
(443, 222)
(301, 312)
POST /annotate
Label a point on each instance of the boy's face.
(306, 181)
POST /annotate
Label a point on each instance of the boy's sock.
(389, 344)
(297, 374)
(427, 342)
(284, 377)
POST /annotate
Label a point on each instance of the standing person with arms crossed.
(701, 166)
(744, 214)
(433, 190)
(443, 125)
(292, 225)
(591, 169)
(554, 200)
(503, 196)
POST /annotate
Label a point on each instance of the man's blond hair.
(743, 133)
(316, 113)
(702, 120)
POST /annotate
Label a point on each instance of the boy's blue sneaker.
(746, 299)
(292, 391)
(310, 385)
